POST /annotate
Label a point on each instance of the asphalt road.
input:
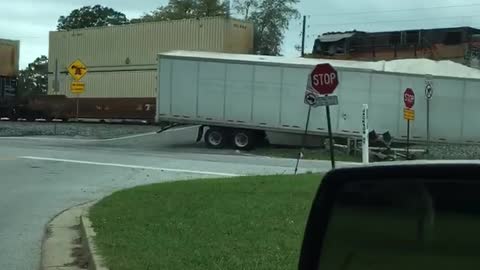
(41, 176)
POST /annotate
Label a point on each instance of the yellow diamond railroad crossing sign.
(77, 70)
(77, 87)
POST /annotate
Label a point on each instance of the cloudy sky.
(30, 20)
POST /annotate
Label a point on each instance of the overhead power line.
(393, 10)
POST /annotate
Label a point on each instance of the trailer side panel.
(242, 92)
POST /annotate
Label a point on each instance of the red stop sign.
(409, 98)
(324, 79)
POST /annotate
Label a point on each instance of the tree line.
(270, 18)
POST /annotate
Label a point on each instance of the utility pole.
(303, 35)
(229, 8)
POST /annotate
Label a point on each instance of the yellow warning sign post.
(77, 70)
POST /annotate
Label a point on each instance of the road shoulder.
(63, 246)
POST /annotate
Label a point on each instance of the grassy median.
(237, 223)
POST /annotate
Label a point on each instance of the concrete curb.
(60, 239)
(87, 235)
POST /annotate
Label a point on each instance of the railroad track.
(82, 120)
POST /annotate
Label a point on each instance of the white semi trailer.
(239, 97)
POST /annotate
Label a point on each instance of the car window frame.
(334, 181)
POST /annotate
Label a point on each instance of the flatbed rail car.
(239, 97)
(51, 107)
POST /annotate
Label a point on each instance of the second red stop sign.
(409, 98)
(324, 79)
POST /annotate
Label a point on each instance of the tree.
(91, 16)
(209, 8)
(33, 80)
(271, 18)
(245, 6)
(185, 9)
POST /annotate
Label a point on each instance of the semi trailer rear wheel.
(244, 139)
(215, 138)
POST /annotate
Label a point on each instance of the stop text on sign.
(409, 98)
(324, 79)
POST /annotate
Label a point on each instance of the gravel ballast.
(75, 130)
(452, 151)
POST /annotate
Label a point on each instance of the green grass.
(238, 223)
(309, 153)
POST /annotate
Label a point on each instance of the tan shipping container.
(121, 60)
(239, 37)
(136, 45)
(9, 57)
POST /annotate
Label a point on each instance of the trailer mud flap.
(200, 133)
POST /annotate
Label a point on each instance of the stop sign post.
(322, 82)
(408, 112)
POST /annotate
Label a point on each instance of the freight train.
(121, 65)
(9, 52)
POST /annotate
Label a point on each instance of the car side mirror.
(395, 217)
